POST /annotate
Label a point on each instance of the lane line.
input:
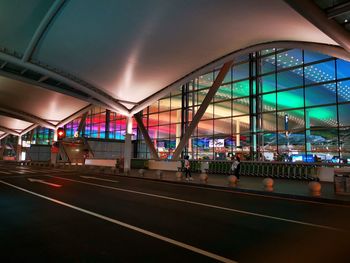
(206, 205)
(126, 225)
(101, 179)
(169, 182)
(33, 180)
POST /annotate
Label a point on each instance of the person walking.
(236, 166)
(188, 169)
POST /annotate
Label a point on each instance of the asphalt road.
(51, 215)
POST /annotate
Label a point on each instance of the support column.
(196, 118)
(54, 148)
(19, 149)
(128, 145)
(146, 136)
(307, 131)
(238, 133)
(82, 122)
(2, 148)
(178, 127)
(55, 136)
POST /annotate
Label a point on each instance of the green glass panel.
(240, 89)
(344, 114)
(320, 94)
(269, 102)
(290, 99)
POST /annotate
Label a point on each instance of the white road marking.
(207, 205)
(135, 228)
(240, 192)
(43, 182)
(3, 172)
(101, 179)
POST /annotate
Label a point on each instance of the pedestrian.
(236, 165)
(188, 169)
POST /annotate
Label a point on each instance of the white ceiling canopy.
(119, 54)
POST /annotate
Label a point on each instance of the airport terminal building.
(279, 92)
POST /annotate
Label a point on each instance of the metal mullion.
(337, 102)
(231, 85)
(276, 118)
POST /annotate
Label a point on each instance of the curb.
(249, 191)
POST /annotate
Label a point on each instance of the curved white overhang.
(127, 54)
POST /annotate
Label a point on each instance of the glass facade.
(274, 104)
(100, 124)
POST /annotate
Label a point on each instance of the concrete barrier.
(164, 165)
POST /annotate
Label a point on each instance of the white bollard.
(268, 184)
(178, 175)
(315, 188)
(159, 173)
(203, 177)
(232, 180)
(141, 172)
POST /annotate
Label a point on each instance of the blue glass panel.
(290, 58)
(344, 91)
(290, 79)
(310, 56)
(320, 94)
(268, 64)
(320, 73)
(343, 69)
(344, 114)
(241, 71)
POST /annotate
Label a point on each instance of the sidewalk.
(282, 187)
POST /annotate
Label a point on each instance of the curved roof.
(121, 54)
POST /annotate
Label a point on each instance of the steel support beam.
(74, 116)
(197, 117)
(30, 128)
(313, 13)
(25, 117)
(338, 10)
(53, 88)
(42, 28)
(82, 122)
(3, 136)
(92, 91)
(146, 136)
(9, 131)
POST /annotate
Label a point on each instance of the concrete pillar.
(238, 133)
(55, 135)
(178, 127)
(2, 149)
(19, 149)
(308, 132)
(128, 145)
